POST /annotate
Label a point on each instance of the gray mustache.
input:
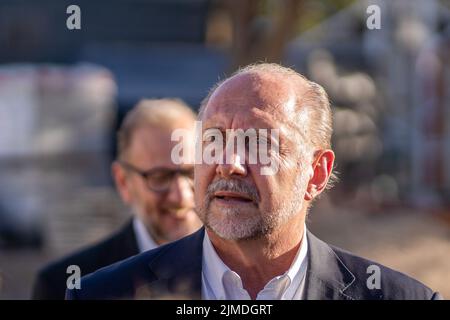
(233, 185)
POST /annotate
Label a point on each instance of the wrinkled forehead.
(253, 101)
(250, 97)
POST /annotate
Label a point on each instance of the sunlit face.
(234, 200)
(168, 215)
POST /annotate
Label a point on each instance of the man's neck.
(144, 238)
(257, 261)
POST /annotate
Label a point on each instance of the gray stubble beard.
(257, 226)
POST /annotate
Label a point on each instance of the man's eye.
(209, 138)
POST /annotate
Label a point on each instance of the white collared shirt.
(221, 283)
(144, 240)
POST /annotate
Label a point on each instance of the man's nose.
(180, 193)
(234, 167)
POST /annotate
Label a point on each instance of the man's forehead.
(152, 147)
(157, 141)
(252, 118)
(252, 96)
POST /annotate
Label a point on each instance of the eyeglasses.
(160, 179)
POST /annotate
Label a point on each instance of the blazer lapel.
(327, 276)
(178, 269)
(128, 240)
(120, 246)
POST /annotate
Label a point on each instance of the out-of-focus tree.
(258, 30)
(260, 36)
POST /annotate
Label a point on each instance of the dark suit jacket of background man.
(51, 281)
(174, 271)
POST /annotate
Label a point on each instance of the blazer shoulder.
(50, 281)
(122, 279)
(376, 281)
(85, 257)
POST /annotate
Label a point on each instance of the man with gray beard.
(255, 244)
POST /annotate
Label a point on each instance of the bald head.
(287, 95)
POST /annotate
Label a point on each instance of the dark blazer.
(174, 271)
(51, 280)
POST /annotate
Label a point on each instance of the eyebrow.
(222, 131)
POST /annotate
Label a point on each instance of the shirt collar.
(144, 240)
(299, 258)
(215, 270)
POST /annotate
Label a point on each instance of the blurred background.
(64, 92)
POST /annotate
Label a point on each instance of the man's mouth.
(229, 196)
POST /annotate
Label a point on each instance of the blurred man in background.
(159, 193)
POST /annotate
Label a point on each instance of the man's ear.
(120, 179)
(322, 168)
